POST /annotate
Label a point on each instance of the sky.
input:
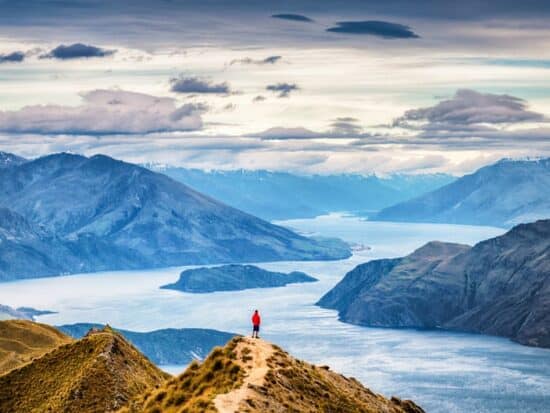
(302, 86)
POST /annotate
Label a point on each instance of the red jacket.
(256, 319)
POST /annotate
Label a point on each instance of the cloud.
(471, 110)
(14, 57)
(378, 28)
(281, 133)
(283, 89)
(105, 112)
(346, 126)
(292, 17)
(77, 51)
(270, 60)
(183, 84)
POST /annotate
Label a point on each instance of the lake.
(441, 371)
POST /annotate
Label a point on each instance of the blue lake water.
(441, 371)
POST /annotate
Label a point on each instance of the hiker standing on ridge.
(256, 320)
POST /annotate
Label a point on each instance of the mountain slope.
(21, 341)
(504, 194)
(500, 286)
(251, 375)
(78, 214)
(167, 346)
(282, 195)
(99, 373)
(9, 159)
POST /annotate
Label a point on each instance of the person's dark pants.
(255, 331)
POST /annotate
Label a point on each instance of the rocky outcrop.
(233, 277)
(500, 286)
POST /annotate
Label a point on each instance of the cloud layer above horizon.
(313, 87)
(105, 112)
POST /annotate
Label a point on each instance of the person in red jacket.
(256, 320)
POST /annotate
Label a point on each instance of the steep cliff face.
(253, 376)
(500, 286)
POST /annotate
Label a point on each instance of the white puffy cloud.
(106, 111)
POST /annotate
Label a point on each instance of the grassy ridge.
(292, 385)
(22, 341)
(99, 373)
(194, 390)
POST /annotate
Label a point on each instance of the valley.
(432, 366)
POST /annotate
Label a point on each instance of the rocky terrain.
(67, 213)
(233, 277)
(252, 375)
(503, 194)
(170, 346)
(500, 286)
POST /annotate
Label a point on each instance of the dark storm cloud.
(151, 24)
(270, 60)
(283, 89)
(293, 17)
(183, 84)
(378, 28)
(77, 51)
(14, 57)
(468, 107)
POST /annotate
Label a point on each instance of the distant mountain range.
(67, 213)
(233, 277)
(9, 159)
(25, 313)
(503, 194)
(500, 286)
(281, 195)
(170, 346)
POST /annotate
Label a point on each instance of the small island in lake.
(233, 277)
